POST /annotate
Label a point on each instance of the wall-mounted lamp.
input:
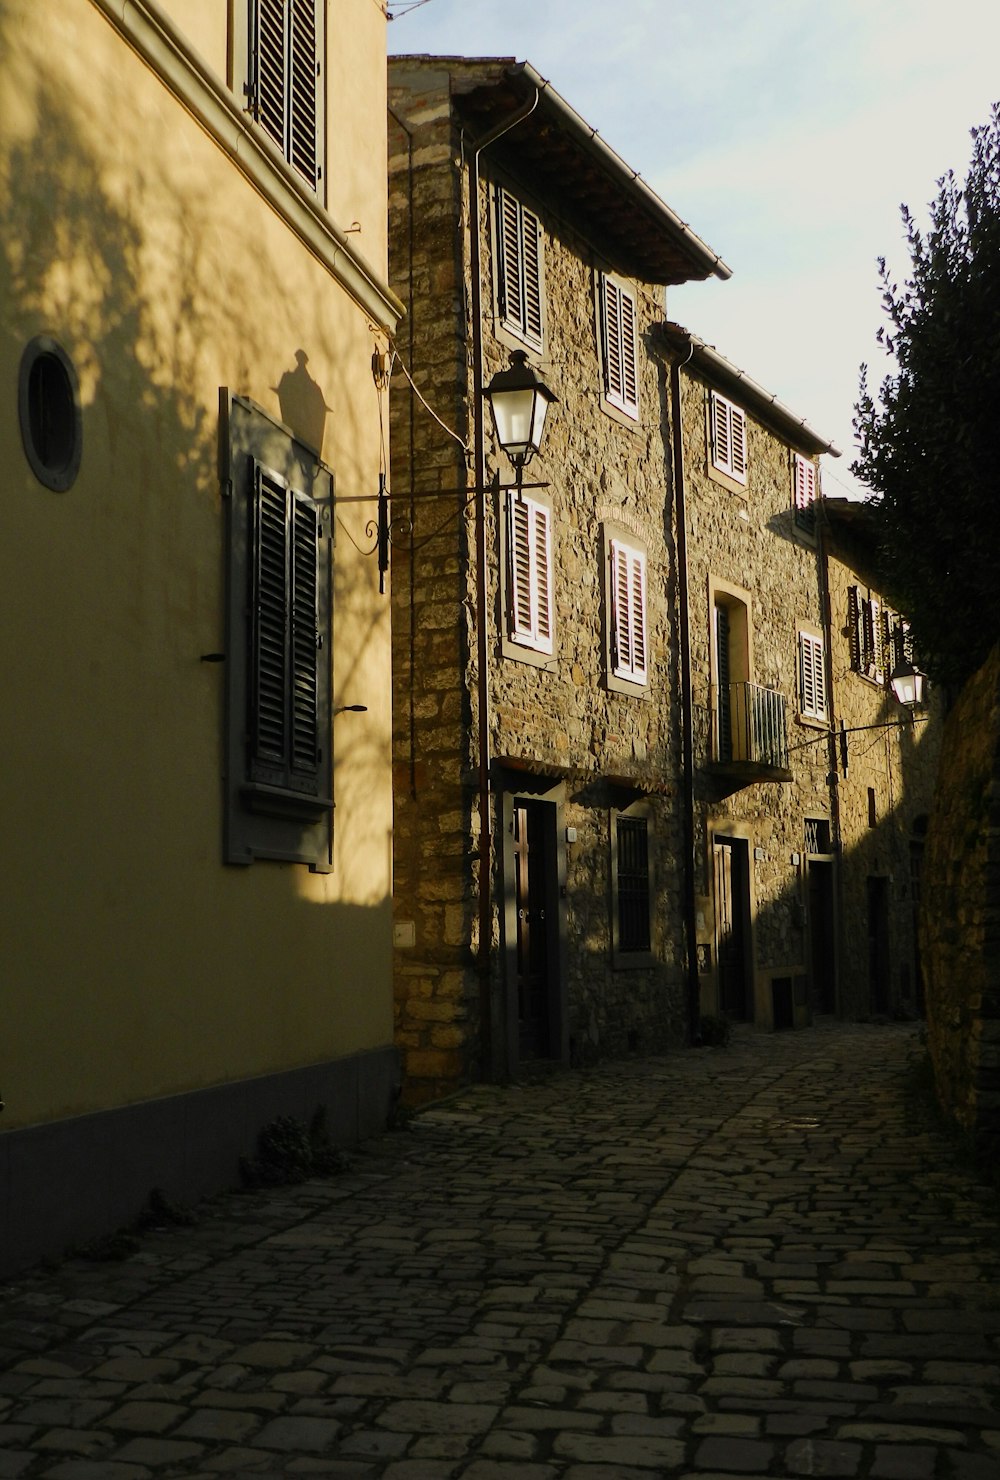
(907, 683)
(519, 399)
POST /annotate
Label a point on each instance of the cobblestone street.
(750, 1261)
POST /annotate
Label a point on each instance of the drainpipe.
(687, 707)
(482, 640)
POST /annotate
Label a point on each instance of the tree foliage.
(930, 441)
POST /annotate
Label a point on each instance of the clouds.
(786, 132)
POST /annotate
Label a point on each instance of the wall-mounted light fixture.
(907, 683)
(519, 400)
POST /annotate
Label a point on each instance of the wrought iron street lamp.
(907, 683)
(519, 399)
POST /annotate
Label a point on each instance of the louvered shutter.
(520, 569)
(729, 438)
(530, 567)
(854, 627)
(738, 430)
(628, 601)
(805, 493)
(303, 71)
(721, 445)
(283, 719)
(509, 273)
(875, 631)
(304, 752)
(532, 258)
(283, 85)
(519, 268)
(543, 577)
(812, 676)
(621, 377)
(268, 726)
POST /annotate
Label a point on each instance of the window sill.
(278, 801)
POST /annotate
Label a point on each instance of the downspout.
(482, 641)
(687, 707)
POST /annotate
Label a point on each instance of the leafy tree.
(930, 442)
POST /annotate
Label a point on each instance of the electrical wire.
(426, 405)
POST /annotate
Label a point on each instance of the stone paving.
(758, 1260)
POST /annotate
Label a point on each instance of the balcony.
(749, 734)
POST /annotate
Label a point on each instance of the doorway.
(878, 943)
(732, 927)
(822, 938)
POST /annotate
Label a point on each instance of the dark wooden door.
(533, 927)
(822, 977)
(732, 920)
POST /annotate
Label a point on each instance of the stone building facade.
(886, 763)
(746, 481)
(537, 835)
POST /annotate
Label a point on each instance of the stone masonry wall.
(747, 539)
(433, 894)
(884, 801)
(960, 914)
(557, 718)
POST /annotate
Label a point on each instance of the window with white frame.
(804, 493)
(529, 572)
(619, 346)
(519, 282)
(628, 612)
(728, 435)
(282, 66)
(812, 677)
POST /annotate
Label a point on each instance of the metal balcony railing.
(750, 726)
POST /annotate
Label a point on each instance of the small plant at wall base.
(289, 1151)
(928, 439)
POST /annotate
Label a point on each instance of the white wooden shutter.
(805, 492)
(628, 605)
(812, 683)
(729, 438)
(519, 268)
(621, 372)
(530, 567)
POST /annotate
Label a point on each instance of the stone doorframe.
(516, 786)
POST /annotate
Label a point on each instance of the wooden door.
(732, 924)
(534, 1008)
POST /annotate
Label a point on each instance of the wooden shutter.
(729, 437)
(519, 268)
(805, 493)
(283, 78)
(854, 627)
(267, 728)
(283, 720)
(530, 567)
(304, 751)
(628, 604)
(812, 676)
(302, 85)
(621, 377)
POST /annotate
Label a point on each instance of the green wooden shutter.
(304, 642)
(268, 723)
(303, 71)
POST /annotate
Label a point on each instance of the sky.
(787, 133)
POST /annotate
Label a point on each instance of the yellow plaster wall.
(134, 962)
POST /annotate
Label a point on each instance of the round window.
(49, 410)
